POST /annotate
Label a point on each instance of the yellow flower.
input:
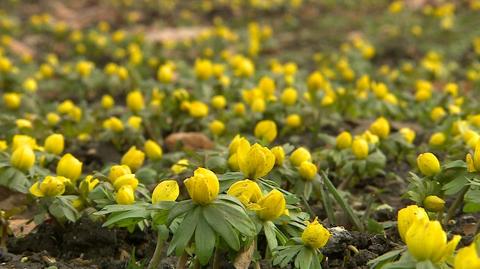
(476, 157)
(198, 109)
(315, 235)
(271, 206)
(247, 191)
(107, 101)
(50, 186)
(180, 166)
(153, 150)
(85, 68)
(165, 73)
(23, 140)
(307, 170)
(125, 195)
(23, 124)
(135, 101)
(239, 109)
(343, 140)
(236, 141)
(299, 156)
(426, 240)
(467, 258)
(219, 102)
(360, 148)
(434, 203)
(114, 124)
(293, 120)
(69, 167)
(266, 130)
(279, 155)
(12, 100)
(89, 184)
(258, 105)
(117, 171)
(23, 158)
(203, 69)
(167, 190)
(133, 158)
(470, 165)
(217, 127)
(289, 96)
(203, 186)
(128, 179)
(408, 134)
(437, 139)
(54, 144)
(233, 162)
(407, 216)
(135, 122)
(380, 127)
(30, 85)
(255, 161)
(52, 119)
(428, 164)
(3, 145)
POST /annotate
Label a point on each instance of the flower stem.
(182, 261)
(157, 255)
(216, 259)
(453, 208)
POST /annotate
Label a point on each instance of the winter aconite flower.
(360, 148)
(299, 156)
(467, 258)
(117, 171)
(125, 195)
(426, 240)
(279, 155)
(307, 170)
(380, 127)
(153, 150)
(343, 140)
(69, 167)
(266, 130)
(247, 191)
(434, 203)
(133, 158)
(408, 134)
(128, 179)
(315, 235)
(203, 186)
(407, 216)
(428, 164)
(50, 186)
(167, 190)
(23, 158)
(255, 161)
(54, 144)
(271, 205)
(135, 101)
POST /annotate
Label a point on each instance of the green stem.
(327, 203)
(157, 255)
(217, 259)
(3, 235)
(182, 261)
(331, 188)
(453, 208)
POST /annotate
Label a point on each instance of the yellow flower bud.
(3, 145)
(135, 122)
(30, 85)
(167, 190)
(315, 235)
(266, 130)
(293, 120)
(165, 74)
(180, 166)
(255, 161)
(428, 164)
(23, 140)
(128, 179)
(217, 127)
(236, 141)
(50, 186)
(125, 195)
(343, 140)
(426, 240)
(289, 96)
(153, 150)
(203, 69)
(360, 148)
(239, 109)
(117, 171)
(279, 155)
(408, 134)
(434, 203)
(476, 157)
(299, 156)
(219, 102)
(233, 162)
(470, 165)
(89, 184)
(54, 144)
(380, 127)
(247, 191)
(467, 257)
(23, 158)
(437, 139)
(69, 167)
(271, 206)
(307, 170)
(135, 101)
(107, 101)
(114, 124)
(198, 109)
(133, 158)
(23, 124)
(407, 216)
(52, 119)
(12, 100)
(258, 105)
(203, 186)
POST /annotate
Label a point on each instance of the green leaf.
(184, 232)
(180, 209)
(218, 222)
(204, 241)
(455, 185)
(426, 265)
(284, 255)
(389, 256)
(131, 214)
(304, 258)
(269, 230)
